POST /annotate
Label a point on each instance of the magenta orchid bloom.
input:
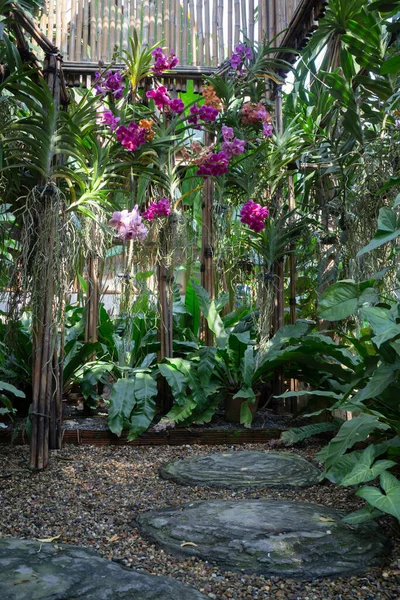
(160, 97)
(111, 82)
(254, 215)
(131, 137)
(216, 164)
(107, 118)
(162, 208)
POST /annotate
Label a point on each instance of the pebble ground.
(90, 495)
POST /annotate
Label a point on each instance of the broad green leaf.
(246, 416)
(382, 377)
(248, 366)
(207, 364)
(8, 387)
(301, 433)
(355, 430)
(209, 310)
(311, 393)
(387, 501)
(364, 469)
(122, 402)
(338, 301)
(364, 514)
(176, 380)
(391, 65)
(379, 318)
(245, 392)
(180, 412)
(144, 411)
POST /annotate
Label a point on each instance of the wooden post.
(207, 246)
(92, 299)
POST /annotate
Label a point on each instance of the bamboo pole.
(264, 21)
(118, 25)
(207, 251)
(125, 25)
(207, 32)
(172, 26)
(221, 30)
(200, 36)
(131, 17)
(72, 38)
(51, 21)
(178, 28)
(185, 37)
(244, 18)
(112, 28)
(230, 27)
(152, 24)
(146, 23)
(261, 11)
(58, 23)
(271, 19)
(85, 33)
(99, 30)
(159, 21)
(106, 29)
(167, 19)
(79, 25)
(63, 24)
(138, 17)
(251, 21)
(292, 257)
(237, 23)
(193, 31)
(92, 32)
(215, 33)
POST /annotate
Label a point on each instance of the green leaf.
(301, 433)
(364, 514)
(180, 412)
(208, 308)
(355, 430)
(122, 402)
(388, 230)
(177, 381)
(207, 364)
(382, 377)
(364, 470)
(246, 416)
(245, 392)
(248, 366)
(192, 306)
(391, 65)
(8, 387)
(144, 411)
(388, 501)
(338, 301)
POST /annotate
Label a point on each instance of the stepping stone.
(42, 571)
(244, 469)
(270, 537)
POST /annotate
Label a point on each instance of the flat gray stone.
(43, 571)
(244, 469)
(271, 537)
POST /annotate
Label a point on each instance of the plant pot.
(233, 406)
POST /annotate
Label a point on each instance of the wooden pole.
(85, 33)
(215, 33)
(207, 245)
(193, 31)
(92, 34)
(185, 37)
(237, 23)
(221, 30)
(125, 25)
(152, 23)
(207, 32)
(230, 27)
(244, 18)
(251, 21)
(146, 23)
(292, 257)
(200, 36)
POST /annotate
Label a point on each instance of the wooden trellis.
(202, 32)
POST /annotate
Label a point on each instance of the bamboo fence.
(201, 32)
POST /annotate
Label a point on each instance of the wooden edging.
(173, 437)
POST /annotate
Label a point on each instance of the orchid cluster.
(215, 164)
(132, 136)
(231, 144)
(162, 208)
(204, 113)
(254, 215)
(211, 98)
(107, 118)
(255, 114)
(163, 62)
(111, 82)
(162, 100)
(239, 55)
(129, 225)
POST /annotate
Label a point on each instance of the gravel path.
(90, 495)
